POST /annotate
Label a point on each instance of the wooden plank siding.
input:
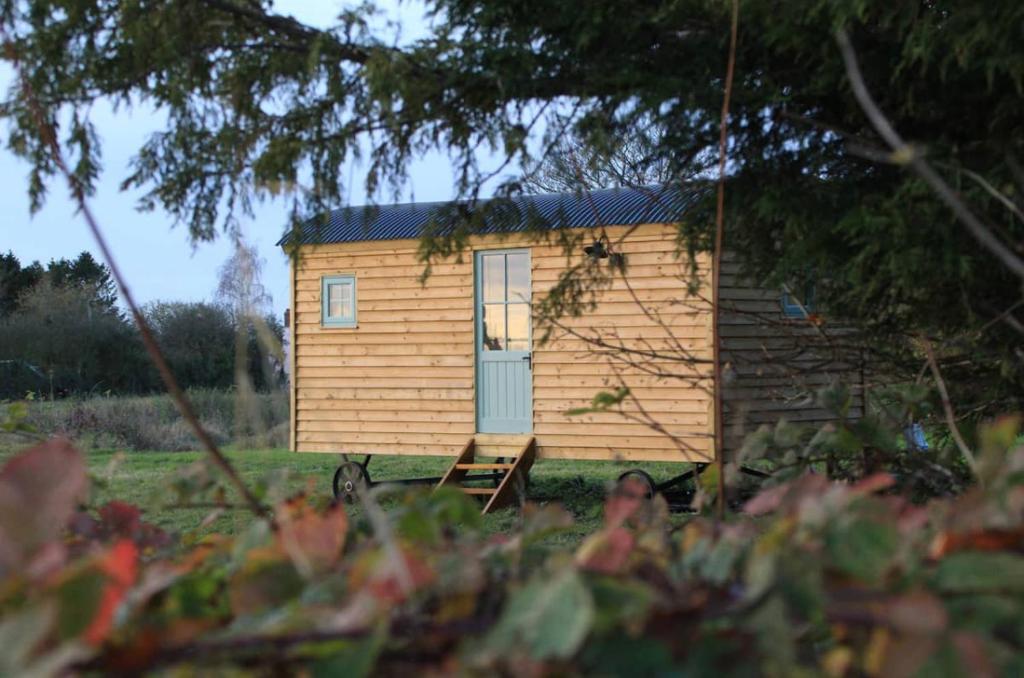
(774, 365)
(402, 381)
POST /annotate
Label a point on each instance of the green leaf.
(349, 658)
(863, 549)
(20, 633)
(619, 603)
(549, 617)
(970, 572)
(625, 656)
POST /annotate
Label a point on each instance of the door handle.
(529, 362)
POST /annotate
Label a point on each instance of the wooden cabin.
(387, 362)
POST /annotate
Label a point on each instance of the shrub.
(813, 577)
(153, 422)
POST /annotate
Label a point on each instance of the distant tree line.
(62, 333)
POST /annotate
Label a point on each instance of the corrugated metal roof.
(607, 207)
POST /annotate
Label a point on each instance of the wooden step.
(520, 449)
(484, 467)
(507, 440)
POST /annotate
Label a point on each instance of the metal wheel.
(350, 479)
(643, 477)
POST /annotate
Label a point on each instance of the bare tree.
(240, 287)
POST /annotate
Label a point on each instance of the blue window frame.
(338, 301)
(794, 308)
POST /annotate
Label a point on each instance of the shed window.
(338, 296)
(798, 305)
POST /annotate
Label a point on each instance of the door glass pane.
(494, 327)
(339, 300)
(518, 326)
(518, 277)
(493, 277)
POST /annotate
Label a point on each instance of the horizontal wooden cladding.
(564, 343)
(352, 440)
(400, 267)
(670, 369)
(695, 453)
(633, 315)
(383, 361)
(664, 296)
(650, 240)
(392, 414)
(336, 337)
(397, 382)
(621, 442)
(463, 428)
(551, 432)
(359, 394)
(354, 348)
(389, 326)
(309, 314)
(698, 451)
(402, 382)
(633, 381)
(545, 258)
(673, 417)
(558, 407)
(371, 373)
(315, 401)
(634, 281)
(799, 416)
(583, 396)
(309, 302)
(337, 447)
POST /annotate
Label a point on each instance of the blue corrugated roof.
(606, 207)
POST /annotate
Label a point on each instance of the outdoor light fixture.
(602, 249)
(596, 251)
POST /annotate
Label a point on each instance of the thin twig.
(49, 137)
(947, 406)
(906, 154)
(716, 262)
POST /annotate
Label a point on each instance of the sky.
(157, 258)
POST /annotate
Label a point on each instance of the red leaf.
(389, 581)
(982, 540)
(120, 565)
(313, 541)
(974, 655)
(39, 491)
(607, 552)
(873, 483)
(624, 502)
(120, 519)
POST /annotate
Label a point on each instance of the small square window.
(798, 306)
(338, 301)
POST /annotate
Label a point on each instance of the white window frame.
(326, 319)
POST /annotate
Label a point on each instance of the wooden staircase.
(506, 476)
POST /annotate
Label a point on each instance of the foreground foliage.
(813, 577)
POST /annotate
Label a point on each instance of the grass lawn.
(142, 478)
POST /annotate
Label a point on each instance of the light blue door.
(504, 387)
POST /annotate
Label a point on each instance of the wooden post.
(292, 381)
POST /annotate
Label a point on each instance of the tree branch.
(904, 153)
(716, 262)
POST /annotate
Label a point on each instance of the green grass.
(142, 478)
